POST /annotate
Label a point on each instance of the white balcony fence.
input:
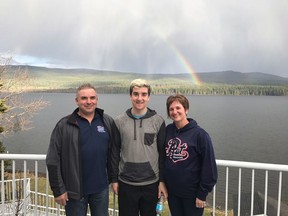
(243, 188)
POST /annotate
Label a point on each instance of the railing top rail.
(22, 156)
(227, 163)
(252, 165)
(11, 180)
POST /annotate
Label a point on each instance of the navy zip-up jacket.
(190, 166)
(64, 159)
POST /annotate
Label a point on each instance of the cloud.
(139, 35)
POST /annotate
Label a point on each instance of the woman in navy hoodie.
(190, 167)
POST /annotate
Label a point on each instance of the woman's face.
(177, 112)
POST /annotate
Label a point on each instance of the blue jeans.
(98, 204)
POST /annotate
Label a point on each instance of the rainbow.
(184, 61)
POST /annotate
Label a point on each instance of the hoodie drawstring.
(135, 127)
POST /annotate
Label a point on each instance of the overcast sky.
(148, 36)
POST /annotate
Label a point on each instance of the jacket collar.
(72, 119)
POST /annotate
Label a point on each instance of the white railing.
(256, 188)
(34, 202)
(276, 206)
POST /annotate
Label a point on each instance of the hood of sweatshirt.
(192, 124)
(148, 114)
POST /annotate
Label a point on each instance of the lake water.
(242, 128)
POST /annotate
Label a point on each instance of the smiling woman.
(190, 165)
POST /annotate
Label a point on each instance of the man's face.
(139, 98)
(87, 101)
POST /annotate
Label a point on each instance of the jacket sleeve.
(53, 162)
(209, 169)
(115, 155)
(161, 150)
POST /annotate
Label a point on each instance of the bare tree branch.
(16, 111)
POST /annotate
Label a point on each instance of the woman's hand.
(200, 203)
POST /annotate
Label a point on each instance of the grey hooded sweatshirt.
(138, 158)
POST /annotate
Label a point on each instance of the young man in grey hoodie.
(138, 158)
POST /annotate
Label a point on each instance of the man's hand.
(62, 199)
(115, 187)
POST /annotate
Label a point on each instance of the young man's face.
(87, 101)
(139, 98)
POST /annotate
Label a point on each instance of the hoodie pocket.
(137, 172)
(149, 138)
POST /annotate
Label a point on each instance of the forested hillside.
(213, 83)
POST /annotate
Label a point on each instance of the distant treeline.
(205, 89)
(113, 82)
(227, 90)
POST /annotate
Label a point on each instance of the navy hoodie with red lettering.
(190, 166)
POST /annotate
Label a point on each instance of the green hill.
(213, 83)
(234, 78)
